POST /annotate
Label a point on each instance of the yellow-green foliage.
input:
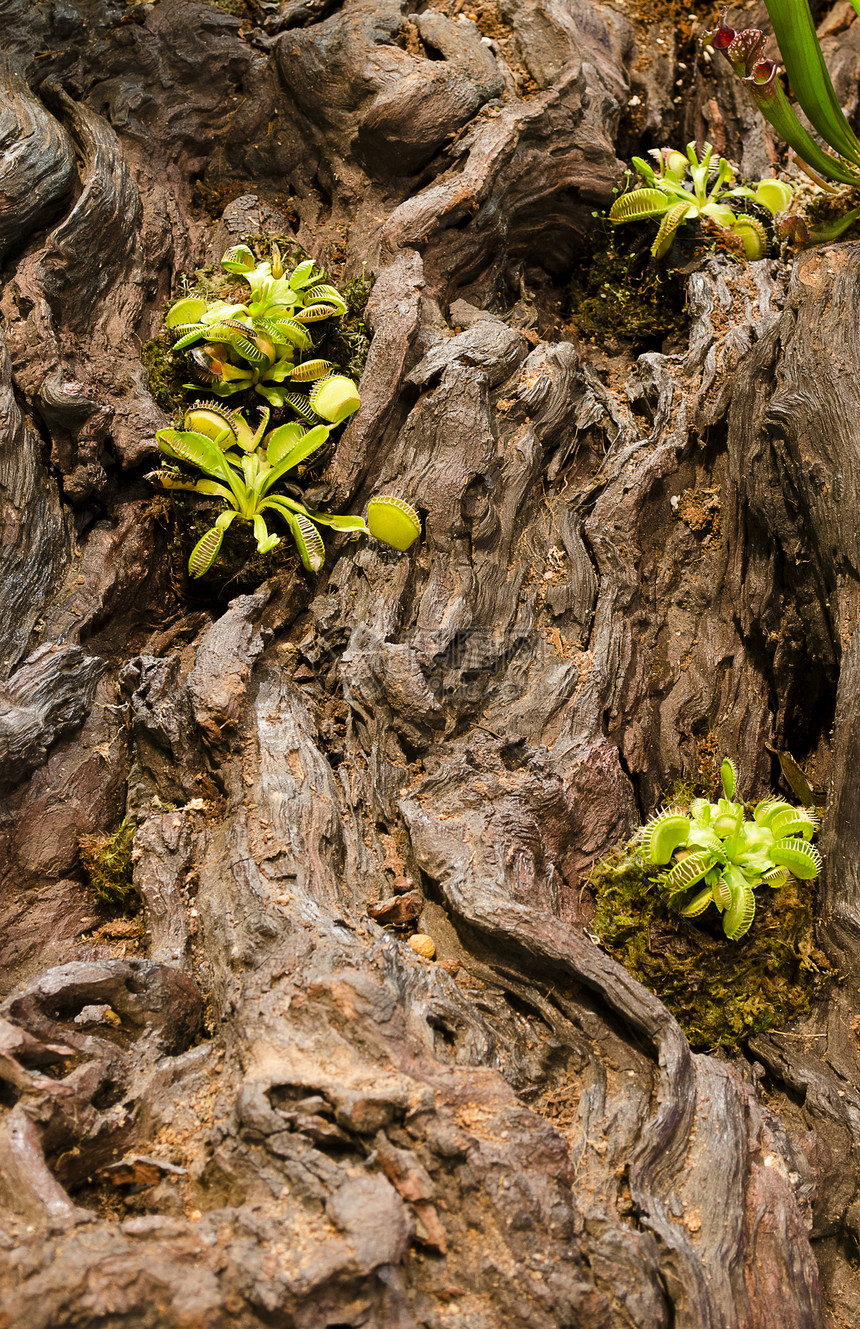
(719, 991)
(107, 861)
(342, 340)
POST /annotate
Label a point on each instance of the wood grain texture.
(626, 568)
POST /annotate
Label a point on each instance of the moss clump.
(236, 8)
(108, 864)
(620, 294)
(719, 991)
(167, 373)
(347, 343)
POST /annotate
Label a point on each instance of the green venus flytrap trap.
(712, 854)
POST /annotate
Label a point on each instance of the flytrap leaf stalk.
(242, 466)
(685, 187)
(810, 81)
(259, 343)
(712, 855)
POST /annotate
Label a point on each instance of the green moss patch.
(108, 864)
(620, 294)
(719, 991)
(167, 373)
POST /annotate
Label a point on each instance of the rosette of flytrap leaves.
(686, 187)
(264, 343)
(244, 467)
(712, 854)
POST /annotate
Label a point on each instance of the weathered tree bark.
(268, 1110)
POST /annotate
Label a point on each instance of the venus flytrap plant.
(707, 195)
(810, 81)
(242, 466)
(711, 854)
(258, 344)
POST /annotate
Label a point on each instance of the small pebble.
(424, 945)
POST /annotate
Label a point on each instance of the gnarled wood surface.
(268, 1110)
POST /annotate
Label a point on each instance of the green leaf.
(737, 920)
(189, 310)
(309, 443)
(340, 523)
(305, 274)
(213, 421)
(300, 405)
(239, 259)
(328, 295)
(250, 351)
(265, 542)
(752, 236)
(310, 370)
(644, 168)
(802, 860)
(769, 96)
(315, 313)
(795, 822)
(308, 541)
(774, 195)
(722, 893)
(728, 777)
(279, 441)
(276, 373)
(639, 204)
(663, 834)
(289, 331)
(275, 396)
(335, 398)
(698, 904)
(211, 488)
(687, 873)
(189, 334)
(193, 449)
(205, 552)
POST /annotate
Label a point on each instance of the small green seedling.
(687, 188)
(242, 466)
(713, 855)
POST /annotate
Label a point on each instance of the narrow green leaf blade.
(311, 442)
(804, 63)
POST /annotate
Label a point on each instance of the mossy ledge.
(719, 991)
